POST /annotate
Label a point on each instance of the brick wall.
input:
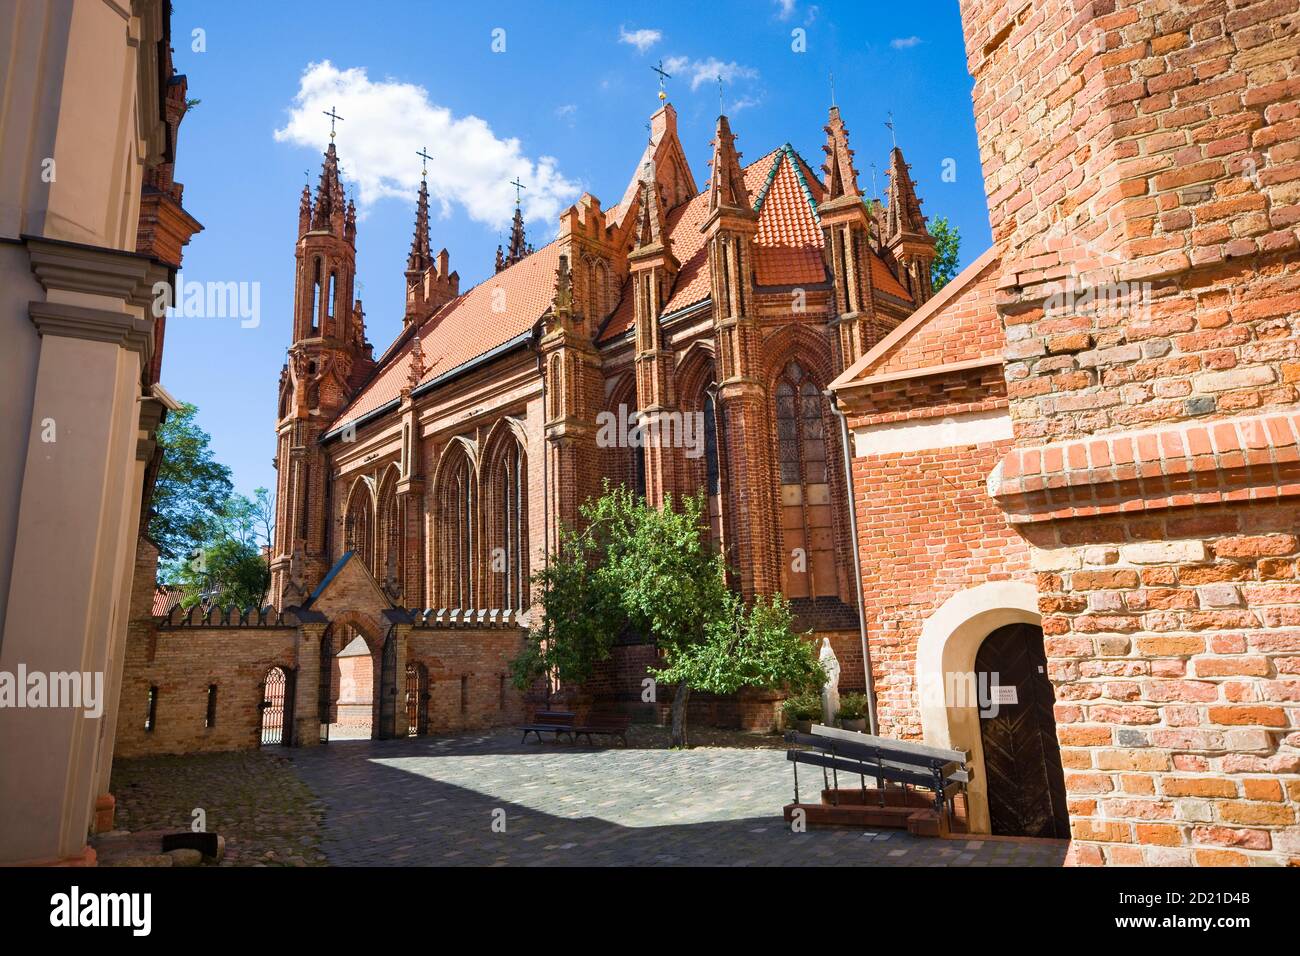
(182, 663)
(1148, 151)
(469, 676)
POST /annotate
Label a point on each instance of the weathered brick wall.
(469, 676)
(1148, 152)
(181, 663)
(928, 530)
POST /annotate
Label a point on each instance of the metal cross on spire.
(720, 103)
(890, 123)
(662, 76)
(333, 116)
(518, 186)
(424, 160)
(832, 88)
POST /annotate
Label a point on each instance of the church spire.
(518, 246)
(726, 182)
(903, 209)
(329, 211)
(841, 177)
(304, 211)
(420, 257)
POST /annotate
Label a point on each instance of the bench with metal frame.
(940, 771)
(550, 722)
(603, 724)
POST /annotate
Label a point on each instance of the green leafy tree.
(227, 572)
(191, 491)
(651, 570)
(751, 645)
(947, 243)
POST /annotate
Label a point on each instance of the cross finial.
(662, 76)
(890, 123)
(424, 160)
(873, 179)
(333, 116)
(518, 186)
(832, 88)
(720, 103)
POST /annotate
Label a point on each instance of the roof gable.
(959, 325)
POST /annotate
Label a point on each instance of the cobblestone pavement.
(252, 798)
(433, 801)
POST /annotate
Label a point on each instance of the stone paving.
(267, 815)
(434, 801)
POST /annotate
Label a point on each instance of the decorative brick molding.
(478, 619)
(1248, 458)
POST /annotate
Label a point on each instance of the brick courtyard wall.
(480, 657)
(181, 663)
(1149, 151)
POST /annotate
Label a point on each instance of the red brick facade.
(1140, 163)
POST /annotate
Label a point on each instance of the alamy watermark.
(209, 300)
(660, 429)
(76, 690)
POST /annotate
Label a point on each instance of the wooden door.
(1022, 759)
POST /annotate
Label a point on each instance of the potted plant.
(801, 710)
(853, 712)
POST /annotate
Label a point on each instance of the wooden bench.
(550, 722)
(909, 766)
(604, 724)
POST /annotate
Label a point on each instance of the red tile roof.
(788, 252)
(466, 327)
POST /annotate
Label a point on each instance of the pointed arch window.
(358, 525)
(391, 522)
(713, 471)
(510, 550)
(806, 523)
(458, 498)
(315, 298)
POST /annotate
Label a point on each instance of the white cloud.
(786, 9)
(641, 39)
(387, 122)
(700, 72)
(904, 43)
(744, 103)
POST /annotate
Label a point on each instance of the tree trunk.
(680, 698)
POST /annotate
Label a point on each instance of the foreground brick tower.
(329, 355)
(1140, 162)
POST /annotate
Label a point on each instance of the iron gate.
(275, 718)
(417, 700)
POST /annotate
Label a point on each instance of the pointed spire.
(419, 258)
(903, 209)
(304, 210)
(328, 210)
(650, 228)
(726, 182)
(841, 177)
(518, 247)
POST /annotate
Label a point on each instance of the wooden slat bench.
(604, 724)
(909, 766)
(550, 722)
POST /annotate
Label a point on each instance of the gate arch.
(276, 707)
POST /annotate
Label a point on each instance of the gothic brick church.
(447, 465)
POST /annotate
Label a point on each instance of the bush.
(805, 706)
(853, 707)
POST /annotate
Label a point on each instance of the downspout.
(857, 563)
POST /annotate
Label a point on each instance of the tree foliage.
(229, 567)
(191, 491)
(633, 566)
(947, 243)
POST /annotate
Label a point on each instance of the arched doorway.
(277, 707)
(417, 700)
(353, 673)
(1022, 759)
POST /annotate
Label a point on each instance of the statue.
(831, 690)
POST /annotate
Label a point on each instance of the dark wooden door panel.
(1022, 759)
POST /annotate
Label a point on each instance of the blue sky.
(564, 105)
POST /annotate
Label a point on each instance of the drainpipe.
(872, 726)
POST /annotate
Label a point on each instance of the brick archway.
(344, 627)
